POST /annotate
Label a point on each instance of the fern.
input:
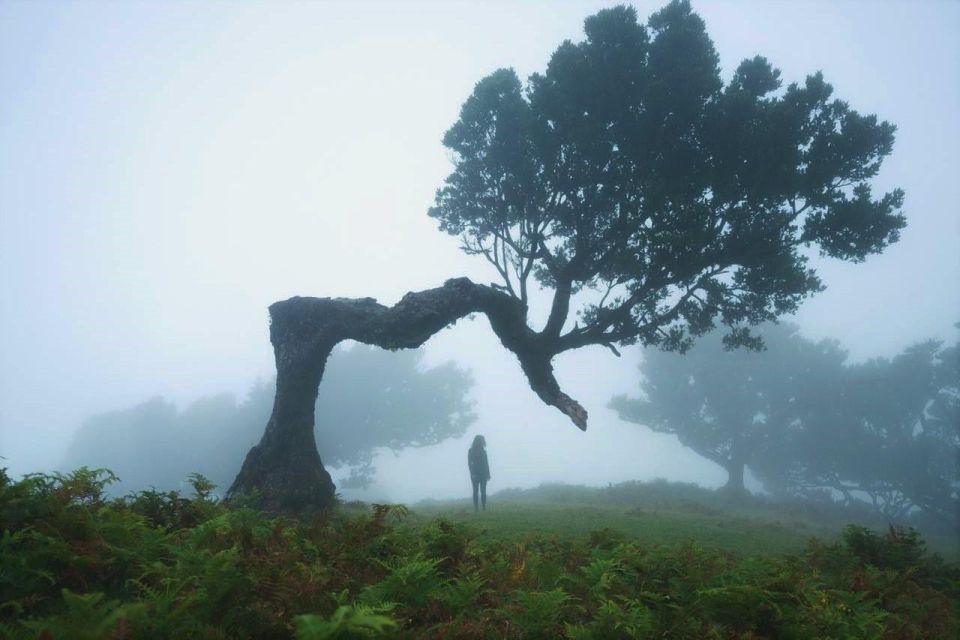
(411, 581)
(601, 575)
(86, 617)
(538, 612)
(627, 620)
(202, 486)
(461, 593)
(348, 621)
(76, 564)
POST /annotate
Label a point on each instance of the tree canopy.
(628, 169)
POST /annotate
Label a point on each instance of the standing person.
(479, 471)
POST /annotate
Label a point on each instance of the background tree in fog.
(630, 174)
(887, 432)
(734, 407)
(378, 399)
(372, 399)
(883, 433)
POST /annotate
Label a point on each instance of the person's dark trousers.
(479, 494)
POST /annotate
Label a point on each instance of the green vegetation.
(662, 512)
(161, 565)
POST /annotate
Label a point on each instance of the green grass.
(660, 512)
(511, 521)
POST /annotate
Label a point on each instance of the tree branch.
(560, 307)
(300, 326)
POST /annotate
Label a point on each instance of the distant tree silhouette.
(372, 399)
(734, 407)
(375, 399)
(807, 424)
(887, 432)
(653, 200)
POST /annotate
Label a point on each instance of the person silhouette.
(479, 471)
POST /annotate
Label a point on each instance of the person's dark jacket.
(477, 461)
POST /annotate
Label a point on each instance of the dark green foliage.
(76, 565)
(538, 613)
(346, 623)
(448, 541)
(628, 168)
(625, 618)
(887, 573)
(899, 549)
(87, 617)
(410, 580)
(369, 399)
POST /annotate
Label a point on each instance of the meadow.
(663, 512)
(639, 560)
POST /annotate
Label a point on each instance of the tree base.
(299, 486)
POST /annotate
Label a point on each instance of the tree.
(887, 432)
(735, 408)
(133, 443)
(940, 424)
(654, 202)
(372, 399)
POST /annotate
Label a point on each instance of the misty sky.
(169, 169)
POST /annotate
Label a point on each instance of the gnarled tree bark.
(284, 469)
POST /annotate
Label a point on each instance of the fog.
(169, 169)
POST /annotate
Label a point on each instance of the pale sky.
(169, 169)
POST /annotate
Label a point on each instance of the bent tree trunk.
(735, 487)
(735, 479)
(284, 472)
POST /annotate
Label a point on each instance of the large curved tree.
(653, 200)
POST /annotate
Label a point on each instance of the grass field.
(513, 521)
(660, 513)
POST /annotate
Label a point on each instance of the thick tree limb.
(285, 467)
